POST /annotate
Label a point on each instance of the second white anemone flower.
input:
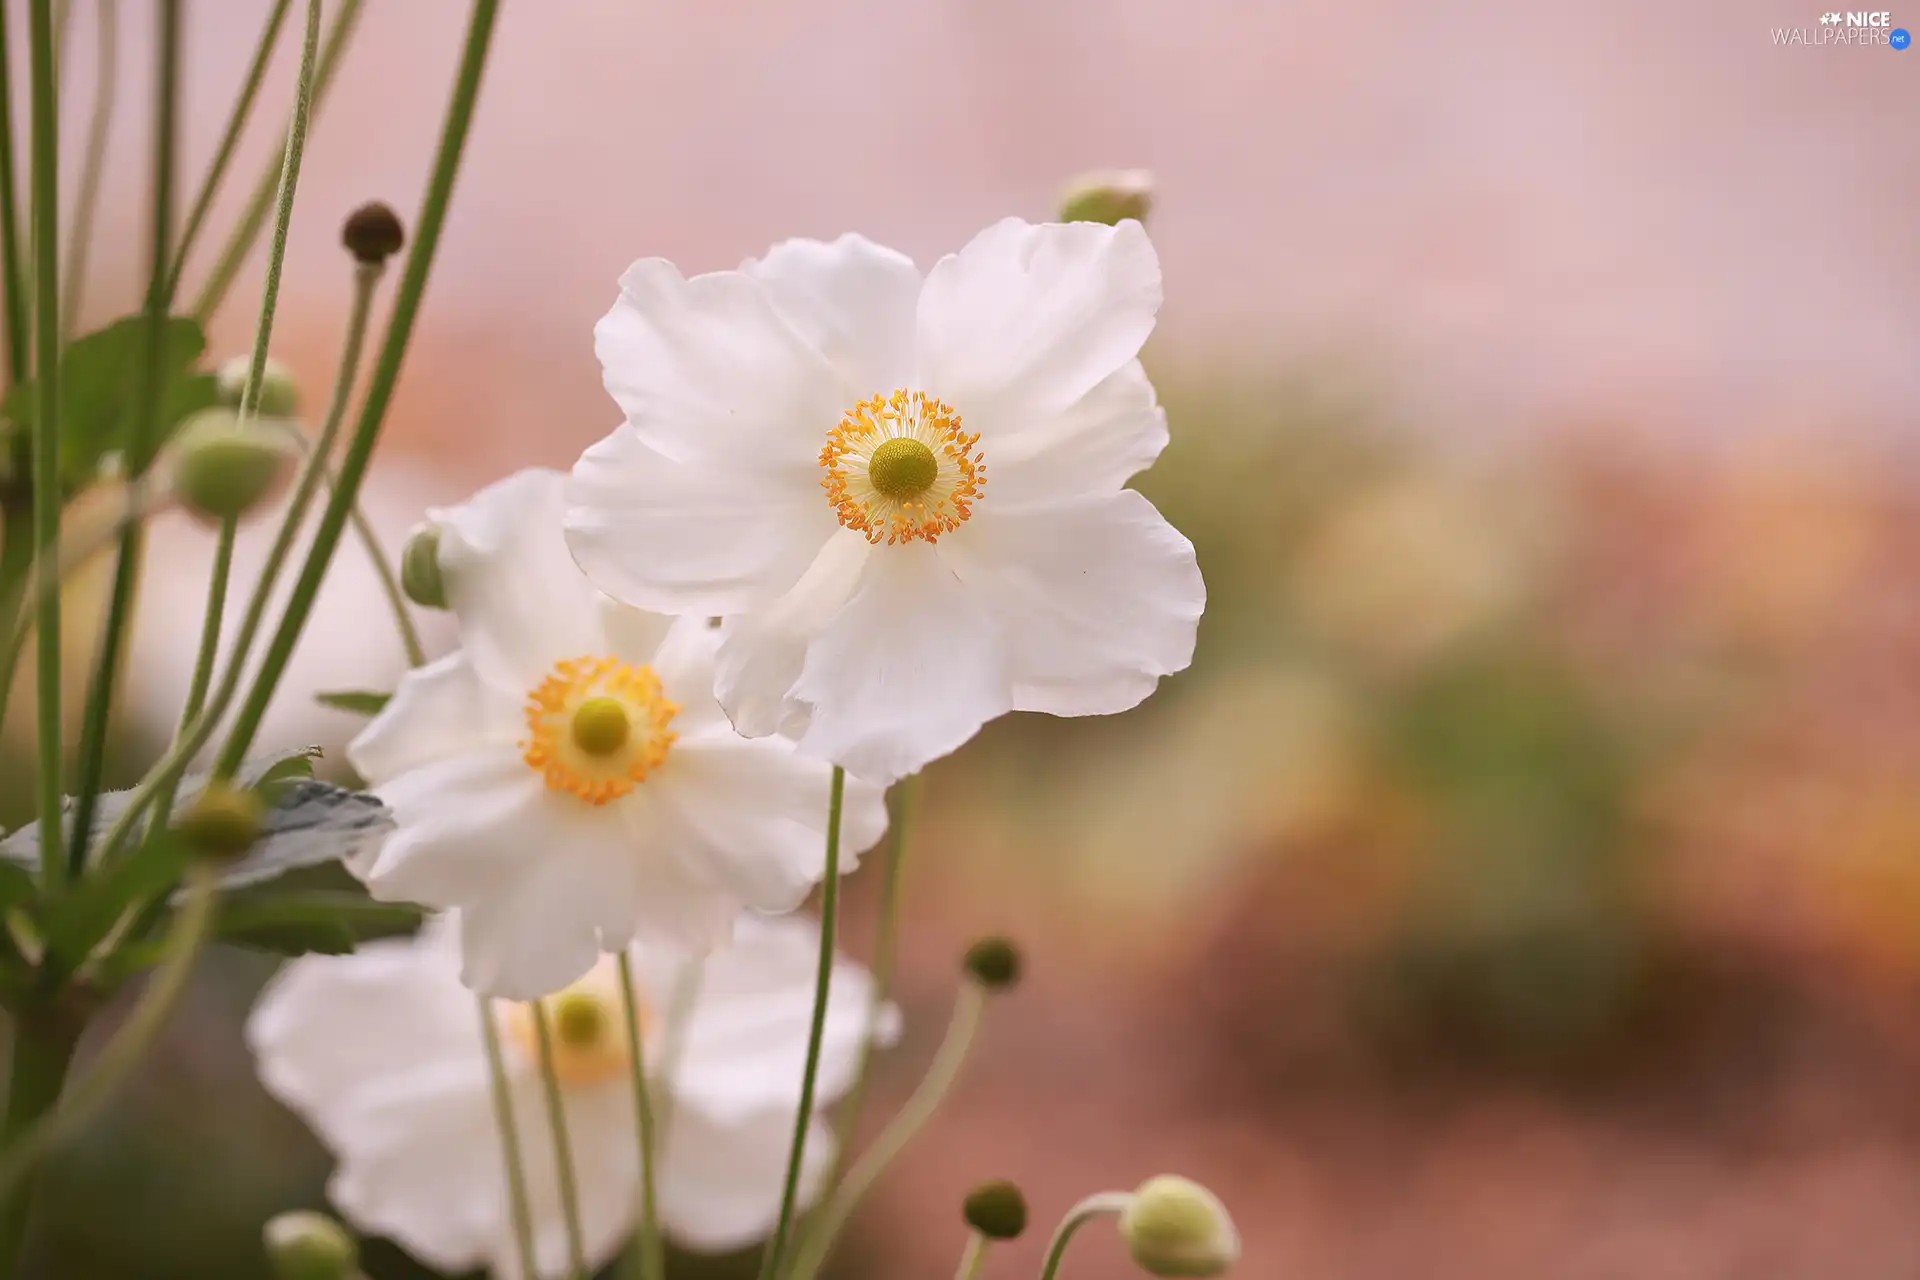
(910, 491)
(381, 1052)
(567, 781)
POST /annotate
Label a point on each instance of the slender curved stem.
(123, 1053)
(822, 989)
(509, 1141)
(16, 586)
(973, 1260)
(652, 1253)
(386, 374)
(247, 230)
(86, 201)
(236, 123)
(43, 1043)
(12, 271)
(562, 1145)
(886, 947)
(207, 656)
(117, 625)
(45, 203)
(913, 1117)
(1102, 1204)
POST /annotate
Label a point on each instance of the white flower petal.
(1098, 597)
(761, 653)
(770, 852)
(463, 825)
(906, 672)
(708, 536)
(721, 1186)
(1110, 435)
(684, 661)
(521, 603)
(1025, 320)
(604, 1137)
(706, 369)
(854, 301)
(745, 1044)
(437, 711)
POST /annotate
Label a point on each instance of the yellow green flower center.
(596, 727)
(586, 1027)
(899, 467)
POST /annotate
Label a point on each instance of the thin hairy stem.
(647, 1242)
(45, 203)
(822, 989)
(86, 201)
(865, 1172)
(1104, 1204)
(386, 374)
(13, 280)
(562, 1144)
(516, 1167)
(974, 1260)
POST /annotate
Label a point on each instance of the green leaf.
(100, 386)
(297, 922)
(361, 702)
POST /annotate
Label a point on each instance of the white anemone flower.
(381, 1053)
(906, 494)
(565, 778)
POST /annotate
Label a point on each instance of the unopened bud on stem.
(222, 822)
(224, 468)
(279, 398)
(310, 1246)
(997, 1210)
(420, 568)
(1175, 1227)
(994, 963)
(373, 233)
(1109, 196)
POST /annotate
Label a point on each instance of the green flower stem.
(562, 1146)
(369, 540)
(509, 1141)
(926, 1100)
(12, 275)
(886, 946)
(386, 373)
(117, 625)
(205, 659)
(45, 204)
(673, 1042)
(823, 983)
(247, 230)
(86, 201)
(1103, 1204)
(16, 575)
(43, 1043)
(121, 1055)
(974, 1260)
(223, 156)
(651, 1252)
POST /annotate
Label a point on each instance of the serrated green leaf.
(100, 384)
(299, 922)
(361, 702)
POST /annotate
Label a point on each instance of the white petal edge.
(853, 300)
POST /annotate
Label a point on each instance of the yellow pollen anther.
(600, 726)
(596, 727)
(899, 467)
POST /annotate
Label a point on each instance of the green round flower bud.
(310, 1246)
(994, 963)
(1110, 196)
(1175, 1227)
(278, 396)
(222, 822)
(224, 468)
(420, 568)
(373, 233)
(997, 1210)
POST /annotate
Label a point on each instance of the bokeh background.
(1525, 879)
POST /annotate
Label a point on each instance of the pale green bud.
(1109, 196)
(279, 398)
(310, 1246)
(222, 822)
(420, 568)
(1174, 1227)
(225, 468)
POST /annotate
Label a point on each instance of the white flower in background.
(381, 1053)
(905, 494)
(565, 778)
